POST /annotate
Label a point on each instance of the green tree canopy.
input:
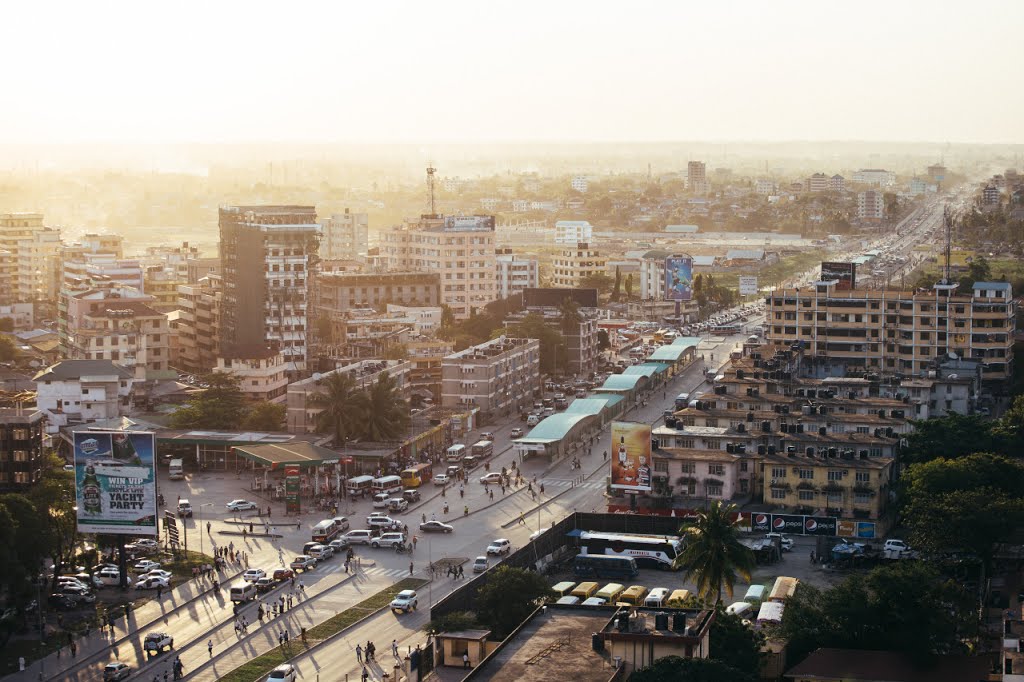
(386, 416)
(599, 280)
(735, 644)
(220, 406)
(714, 556)
(678, 669)
(266, 416)
(508, 597)
(552, 344)
(950, 437)
(343, 406)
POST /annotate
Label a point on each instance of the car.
(78, 592)
(379, 521)
(303, 562)
(436, 527)
(265, 585)
(594, 601)
(480, 564)
(487, 435)
(156, 642)
(441, 479)
(184, 509)
(145, 566)
(115, 671)
(342, 522)
(338, 545)
(493, 477)
(537, 533)
(453, 472)
(253, 574)
(281, 574)
(282, 673)
(158, 573)
(787, 543)
(321, 552)
(517, 432)
(380, 500)
(240, 505)
(63, 601)
(152, 583)
(894, 545)
(144, 546)
(388, 540)
(398, 504)
(359, 537)
(411, 495)
(110, 576)
(499, 546)
(74, 581)
(404, 601)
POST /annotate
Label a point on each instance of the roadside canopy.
(278, 455)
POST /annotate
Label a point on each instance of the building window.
(862, 498)
(689, 468)
(807, 474)
(684, 442)
(661, 465)
(806, 495)
(778, 494)
(863, 477)
(716, 469)
(778, 472)
(743, 466)
(834, 498)
(714, 491)
(835, 475)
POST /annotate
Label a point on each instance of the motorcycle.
(401, 548)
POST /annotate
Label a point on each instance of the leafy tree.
(266, 416)
(447, 317)
(220, 406)
(677, 669)
(386, 416)
(343, 406)
(735, 644)
(508, 597)
(397, 351)
(453, 622)
(951, 437)
(629, 285)
(603, 342)
(714, 555)
(599, 280)
(617, 288)
(1010, 428)
(8, 351)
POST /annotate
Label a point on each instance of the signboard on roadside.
(748, 285)
(115, 482)
(631, 457)
(291, 489)
(794, 524)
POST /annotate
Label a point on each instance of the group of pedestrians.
(177, 668)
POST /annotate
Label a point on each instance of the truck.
(176, 470)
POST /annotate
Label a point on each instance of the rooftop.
(68, 370)
(869, 666)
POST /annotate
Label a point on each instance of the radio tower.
(430, 187)
(947, 223)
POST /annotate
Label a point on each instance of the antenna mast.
(430, 187)
(947, 223)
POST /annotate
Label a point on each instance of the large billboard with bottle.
(631, 457)
(115, 482)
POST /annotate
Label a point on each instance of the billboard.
(468, 223)
(748, 286)
(678, 278)
(115, 477)
(794, 524)
(845, 273)
(631, 457)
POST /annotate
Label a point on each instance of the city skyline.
(460, 72)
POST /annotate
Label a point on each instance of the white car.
(404, 601)
(493, 477)
(896, 546)
(282, 673)
(253, 574)
(145, 545)
(500, 546)
(146, 566)
(158, 573)
(240, 505)
(152, 583)
(517, 432)
(480, 564)
(441, 479)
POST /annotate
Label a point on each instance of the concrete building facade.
(345, 236)
(575, 263)
(515, 274)
(79, 391)
(499, 377)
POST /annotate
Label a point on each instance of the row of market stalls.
(567, 433)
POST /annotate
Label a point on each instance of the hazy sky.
(218, 71)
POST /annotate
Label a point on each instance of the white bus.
(650, 551)
(387, 484)
(455, 453)
(358, 486)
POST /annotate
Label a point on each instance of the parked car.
(388, 540)
(896, 545)
(158, 573)
(111, 577)
(115, 671)
(282, 673)
(157, 642)
(499, 546)
(240, 505)
(253, 574)
(517, 432)
(63, 601)
(404, 601)
(80, 593)
(480, 564)
(144, 546)
(440, 479)
(151, 583)
(303, 562)
(787, 543)
(145, 566)
(436, 527)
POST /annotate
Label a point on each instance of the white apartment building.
(427, 319)
(652, 275)
(516, 273)
(765, 188)
(573, 232)
(91, 270)
(817, 183)
(346, 236)
(259, 378)
(697, 177)
(871, 205)
(77, 391)
(498, 377)
(576, 263)
(33, 247)
(837, 183)
(199, 324)
(874, 176)
(459, 249)
(302, 414)
(580, 183)
(490, 203)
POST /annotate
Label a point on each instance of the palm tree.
(344, 407)
(714, 555)
(387, 412)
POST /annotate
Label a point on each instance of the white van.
(176, 470)
(358, 486)
(741, 608)
(657, 597)
(387, 484)
(533, 420)
(455, 453)
(243, 592)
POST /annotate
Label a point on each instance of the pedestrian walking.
(250, 526)
(359, 653)
(541, 488)
(280, 638)
(491, 494)
(208, 528)
(522, 520)
(302, 589)
(74, 649)
(366, 674)
(410, 568)
(465, 660)
(394, 648)
(209, 647)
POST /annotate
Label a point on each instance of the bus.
(416, 475)
(682, 400)
(649, 551)
(455, 453)
(783, 589)
(725, 329)
(482, 449)
(600, 566)
(325, 531)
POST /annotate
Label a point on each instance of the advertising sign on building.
(291, 489)
(631, 457)
(468, 223)
(796, 525)
(844, 273)
(115, 482)
(748, 286)
(678, 278)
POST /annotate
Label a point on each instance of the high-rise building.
(459, 248)
(580, 183)
(874, 176)
(696, 177)
(516, 274)
(199, 324)
(345, 236)
(837, 183)
(33, 247)
(573, 231)
(575, 263)
(817, 183)
(266, 255)
(871, 206)
(499, 376)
